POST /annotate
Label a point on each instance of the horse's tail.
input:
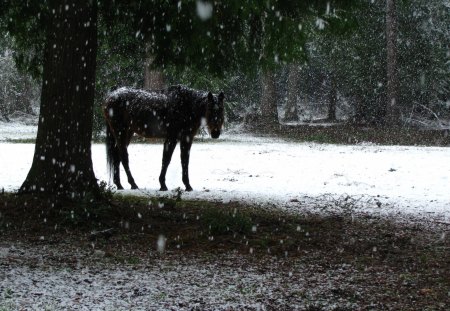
(111, 150)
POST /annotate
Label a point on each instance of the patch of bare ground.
(154, 254)
(345, 133)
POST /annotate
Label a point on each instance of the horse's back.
(171, 112)
(145, 113)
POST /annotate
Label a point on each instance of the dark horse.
(174, 114)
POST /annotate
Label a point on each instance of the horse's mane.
(187, 93)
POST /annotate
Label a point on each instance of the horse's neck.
(200, 107)
(197, 100)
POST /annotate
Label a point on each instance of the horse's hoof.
(134, 187)
(189, 188)
(119, 187)
(164, 188)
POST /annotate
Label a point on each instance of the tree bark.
(291, 111)
(153, 79)
(392, 117)
(269, 110)
(62, 163)
(332, 99)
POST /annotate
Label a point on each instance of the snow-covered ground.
(269, 171)
(402, 182)
(33, 279)
(21, 128)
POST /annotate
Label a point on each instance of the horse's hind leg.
(124, 141)
(116, 168)
(112, 150)
(185, 147)
(169, 146)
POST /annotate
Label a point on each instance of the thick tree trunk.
(392, 117)
(291, 111)
(153, 79)
(62, 163)
(269, 110)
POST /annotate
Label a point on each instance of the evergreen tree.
(358, 59)
(392, 115)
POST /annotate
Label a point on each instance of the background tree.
(423, 60)
(358, 60)
(276, 49)
(19, 92)
(392, 116)
(120, 62)
(153, 78)
(291, 110)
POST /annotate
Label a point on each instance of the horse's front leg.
(169, 146)
(185, 147)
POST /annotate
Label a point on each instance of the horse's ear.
(221, 96)
(210, 97)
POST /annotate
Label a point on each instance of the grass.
(319, 138)
(5, 300)
(220, 221)
(339, 133)
(21, 140)
(188, 225)
(6, 306)
(352, 134)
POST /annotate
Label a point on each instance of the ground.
(169, 254)
(272, 224)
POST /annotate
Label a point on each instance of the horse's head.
(215, 114)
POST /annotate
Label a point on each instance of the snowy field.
(387, 180)
(17, 130)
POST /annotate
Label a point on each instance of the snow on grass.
(17, 130)
(297, 176)
(169, 283)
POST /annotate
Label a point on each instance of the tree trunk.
(62, 163)
(291, 111)
(153, 79)
(392, 117)
(269, 110)
(24, 100)
(332, 99)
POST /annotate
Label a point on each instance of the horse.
(174, 114)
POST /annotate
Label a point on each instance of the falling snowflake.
(204, 10)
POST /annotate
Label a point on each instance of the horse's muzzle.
(215, 134)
